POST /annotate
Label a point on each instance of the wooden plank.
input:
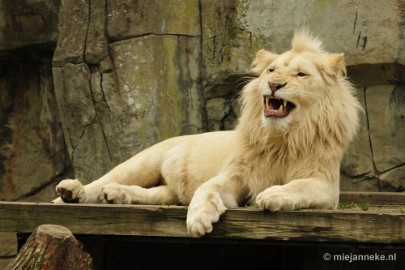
(98, 219)
(332, 226)
(377, 225)
(377, 198)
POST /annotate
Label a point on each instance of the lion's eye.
(270, 70)
(301, 74)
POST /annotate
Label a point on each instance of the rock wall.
(124, 79)
(33, 157)
(32, 148)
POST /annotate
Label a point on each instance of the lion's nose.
(275, 86)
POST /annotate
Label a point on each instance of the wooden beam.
(377, 198)
(382, 223)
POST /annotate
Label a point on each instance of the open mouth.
(277, 107)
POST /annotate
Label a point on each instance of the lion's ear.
(337, 63)
(262, 60)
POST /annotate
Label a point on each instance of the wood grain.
(382, 223)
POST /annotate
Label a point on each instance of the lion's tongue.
(275, 107)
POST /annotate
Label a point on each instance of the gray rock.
(96, 40)
(32, 147)
(356, 185)
(73, 26)
(127, 18)
(358, 159)
(386, 111)
(145, 90)
(393, 180)
(28, 23)
(235, 30)
(216, 108)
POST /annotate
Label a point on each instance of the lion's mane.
(313, 146)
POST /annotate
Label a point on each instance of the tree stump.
(52, 247)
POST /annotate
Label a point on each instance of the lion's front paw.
(202, 214)
(198, 224)
(115, 193)
(274, 199)
(70, 191)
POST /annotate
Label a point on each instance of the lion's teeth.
(284, 103)
(280, 109)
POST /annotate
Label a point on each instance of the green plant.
(365, 206)
(351, 205)
(346, 205)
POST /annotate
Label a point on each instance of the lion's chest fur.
(261, 168)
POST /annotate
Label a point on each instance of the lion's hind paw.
(115, 193)
(70, 191)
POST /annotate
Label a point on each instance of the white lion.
(297, 118)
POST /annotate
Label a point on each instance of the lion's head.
(301, 95)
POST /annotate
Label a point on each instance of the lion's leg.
(210, 201)
(141, 170)
(301, 193)
(122, 194)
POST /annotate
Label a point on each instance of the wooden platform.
(361, 218)
(155, 237)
